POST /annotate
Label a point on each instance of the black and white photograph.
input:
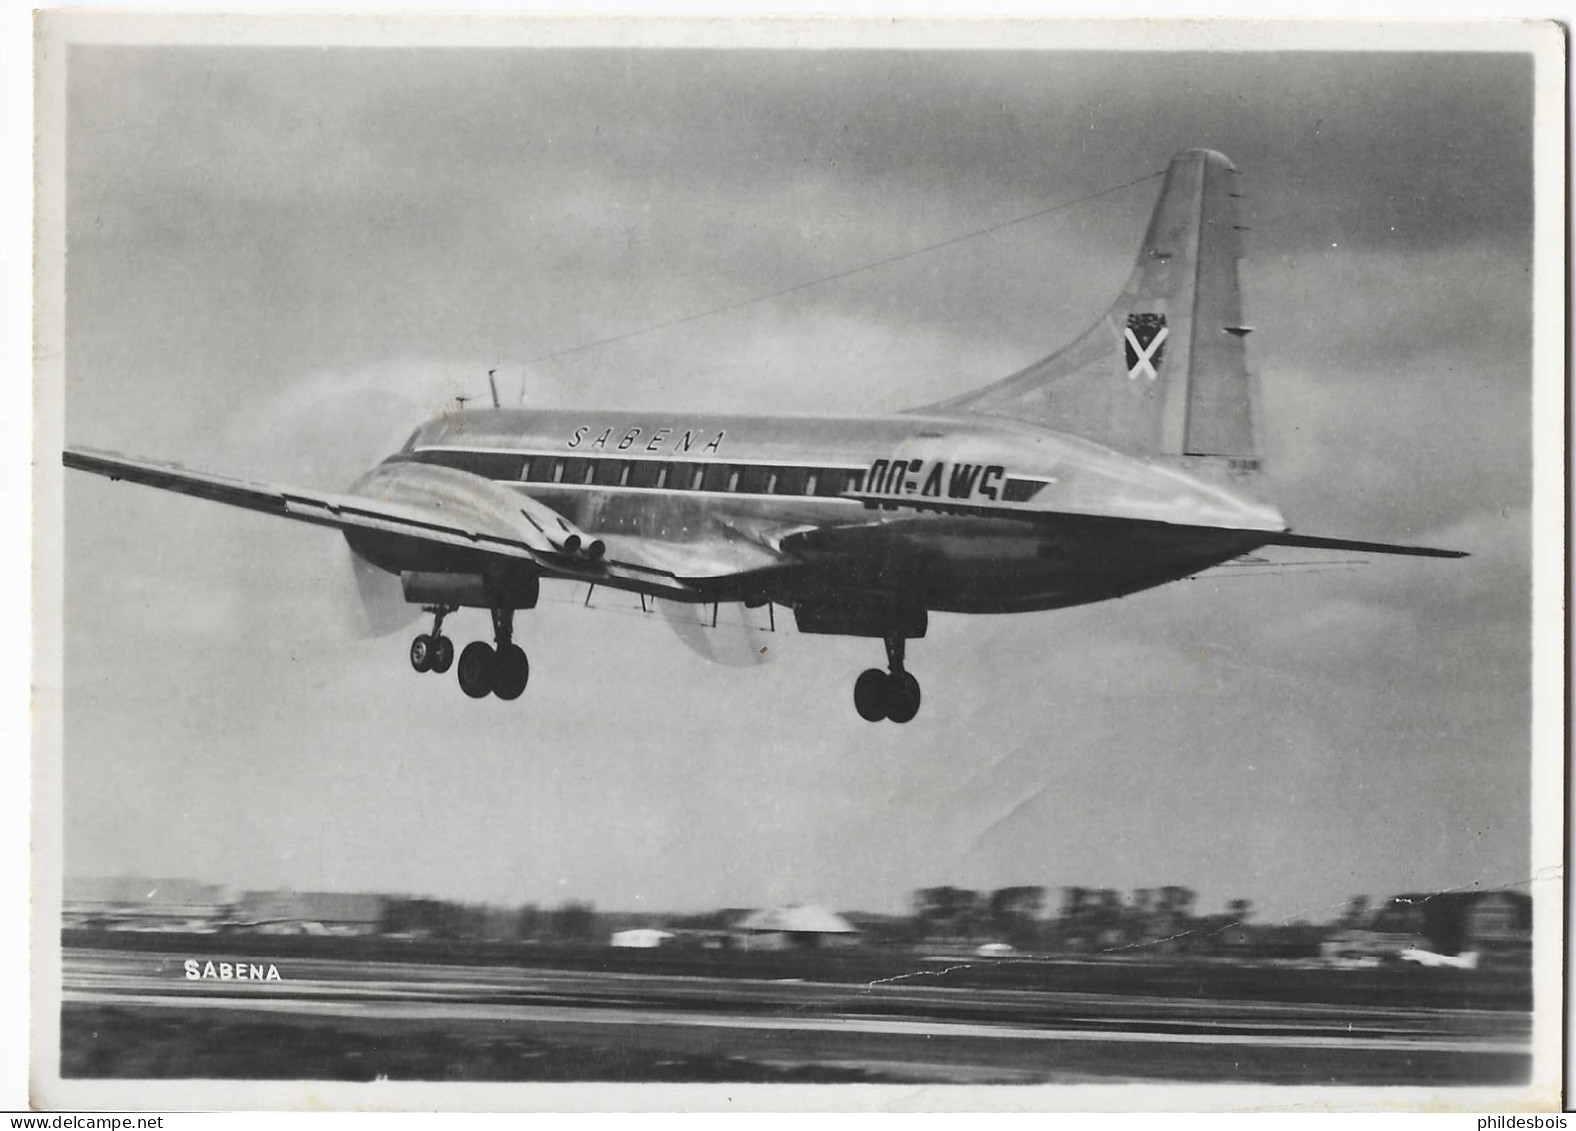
(1018, 558)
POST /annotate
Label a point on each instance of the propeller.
(325, 431)
(378, 596)
(741, 637)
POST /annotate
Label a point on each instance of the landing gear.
(511, 671)
(433, 652)
(870, 695)
(421, 653)
(891, 694)
(902, 698)
(442, 654)
(484, 670)
(476, 669)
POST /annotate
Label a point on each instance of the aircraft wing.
(699, 562)
(624, 565)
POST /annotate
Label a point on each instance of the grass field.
(116, 1043)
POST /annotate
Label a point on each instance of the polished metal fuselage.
(960, 514)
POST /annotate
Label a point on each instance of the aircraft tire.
(871, 694)
(476, 669)
(421, 653)
(442, 655)
(903, 698)
(511, 672)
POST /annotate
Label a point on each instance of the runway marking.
(135, 989)
(889, 1027)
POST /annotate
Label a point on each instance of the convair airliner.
(1125, 460)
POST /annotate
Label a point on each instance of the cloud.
(280, 260)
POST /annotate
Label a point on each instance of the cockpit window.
(410, 444)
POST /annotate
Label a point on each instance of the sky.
(280, 260)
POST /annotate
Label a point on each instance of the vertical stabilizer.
(1162, 372)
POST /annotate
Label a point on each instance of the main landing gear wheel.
(442, 654)
(476, 669)
(485, 670)
(870, 695)
(891, 694)
(902, 697)
(511, 670)
(433, 652)
(421, 653)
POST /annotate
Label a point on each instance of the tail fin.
(1162, 372)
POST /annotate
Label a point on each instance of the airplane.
(1125, 460)
(1424, 957)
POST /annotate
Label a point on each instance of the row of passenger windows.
(751, 479)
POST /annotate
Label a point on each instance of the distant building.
(640, 938)
(1273, 940)
(1457, 922)
(796, 927)
(881, 930)
(1349, 944)
(1495, 924)
(140, 903)
(312, 912)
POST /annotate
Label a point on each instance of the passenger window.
(791, 481)
(558, 471)
(720, 477)
(489, 465)
(831, 482)
(685, 476)
(540, 469)
(756, 480)
(811, 482)
(662, 475)
(576, 470)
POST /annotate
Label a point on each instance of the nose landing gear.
(891, 694)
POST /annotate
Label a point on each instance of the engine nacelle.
(471, 590)
(563, 534)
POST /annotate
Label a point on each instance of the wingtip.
(1315, 542)
(1211, 156)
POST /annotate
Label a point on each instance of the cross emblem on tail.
(1145, 344)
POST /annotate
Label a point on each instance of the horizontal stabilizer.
(1315, 543)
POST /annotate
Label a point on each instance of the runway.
(886, 1030)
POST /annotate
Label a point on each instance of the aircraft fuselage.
(946, 514)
